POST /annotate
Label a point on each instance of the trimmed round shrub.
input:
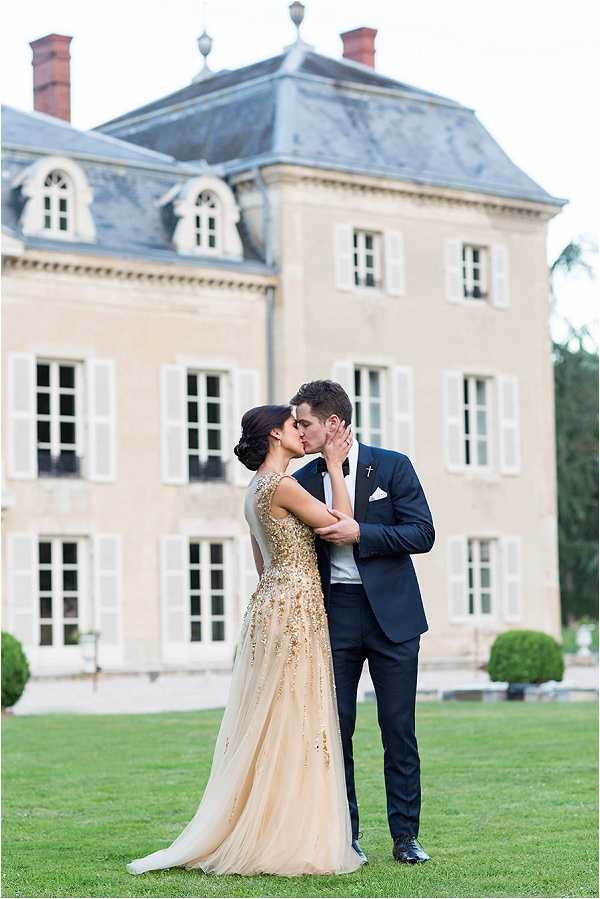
(526, 657)
(15, 670)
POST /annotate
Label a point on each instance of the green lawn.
(509, 805)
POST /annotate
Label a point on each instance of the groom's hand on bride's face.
(345, 530)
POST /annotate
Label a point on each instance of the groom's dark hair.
(325, 398)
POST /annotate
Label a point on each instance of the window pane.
(374, 383)
(196, 632)
(67, 432)
(213, 386)
(67, 376)
(217, 605)
(482, 457)
(471, 604)
(71, 634)
(466, 390)
(375, 415)
(375, 439)
(211, 240)
(44, 552)
(46, 635)
(70, 607)
(69, 553)
(481, 422)
(194, 552)
(470, 576)
(43, 431)
(480, 392)
(67, 403)
(194, 579)
(214, 440)
(216, 553)
(45, 579)
(358, 415)
(43, 403)
(43, 374)
(484, 550)
(369, 280)
(357, 381)
(192, 411)
(192, 385)
(193, 438)
(213, 413)
(195, 604)
(70, 579)
(216, 580)
(62, 204)
(484, 574)
(45, 607)
(218, 631)
(486, 604)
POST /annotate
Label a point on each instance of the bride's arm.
(258, 559)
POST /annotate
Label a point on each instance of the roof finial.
(205, 43)
(297, 16)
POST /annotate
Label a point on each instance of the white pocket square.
(378, 494)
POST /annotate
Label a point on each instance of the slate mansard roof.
(304, 108)
(127, 182)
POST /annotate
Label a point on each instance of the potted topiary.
(15, 671)
(524, 658)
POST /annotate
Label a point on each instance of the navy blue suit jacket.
(390, 530)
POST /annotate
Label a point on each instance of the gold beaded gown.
(275, 801)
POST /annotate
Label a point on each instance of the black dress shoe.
(408, 850)
(359, 852)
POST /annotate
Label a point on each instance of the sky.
(529, 68)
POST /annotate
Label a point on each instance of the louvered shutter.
(22, 587)
(107, 587)
(453, 271)
(457, 579)
(500, 276)
(511, 578)
(508, 424)
(344, 271)
(173, 424)
(453, 419)
(174, 594)
(21, 416)
(395, 263)
(101, 419)
(403, 410)
(246, 395)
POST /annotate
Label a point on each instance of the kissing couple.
(332, 546)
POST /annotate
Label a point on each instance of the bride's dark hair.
(257, 424)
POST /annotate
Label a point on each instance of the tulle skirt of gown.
(275, 801)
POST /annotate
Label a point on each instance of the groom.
(372, 598)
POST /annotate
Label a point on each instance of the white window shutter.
(343, 373)
(500, 276)
(508, 424)
(174, 593)
(173, 424)
(344, 274)
(107, 588)
(403, 410)
(458, 599)
(247, 572)
(22, 587)
(246, 395)
(395, 265)
(101, 419)
(511, 578)
(453, 271)
(21, 414)
(453, 420)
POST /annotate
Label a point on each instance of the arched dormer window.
(57, 200)
(207, 221)
(207, 216)
(58, 203)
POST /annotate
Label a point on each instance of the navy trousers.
(355, 636)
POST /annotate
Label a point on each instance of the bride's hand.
(338, 443)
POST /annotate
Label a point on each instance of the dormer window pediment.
(57, 199)
(207, 215)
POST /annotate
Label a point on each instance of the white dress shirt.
(343, 566)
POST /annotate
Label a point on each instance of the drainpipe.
(268, 250)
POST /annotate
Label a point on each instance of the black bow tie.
(322, 466)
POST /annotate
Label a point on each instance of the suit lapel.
(365, 481)
(313, 482)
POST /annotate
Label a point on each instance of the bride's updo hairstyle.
(257, 424)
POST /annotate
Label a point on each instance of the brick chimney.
(359, 45)
(52, 75)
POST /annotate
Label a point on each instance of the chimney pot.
(52, 75)
(359, 45)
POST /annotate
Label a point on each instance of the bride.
(275, 801)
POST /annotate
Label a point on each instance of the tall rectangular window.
(481, 575)
(474, 271)
(60, 589)
(205, 418)
(476, 418)
(368, 405)
(207, 591)
(58, 399)
(367, 259)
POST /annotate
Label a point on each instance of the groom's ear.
(332, 422)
